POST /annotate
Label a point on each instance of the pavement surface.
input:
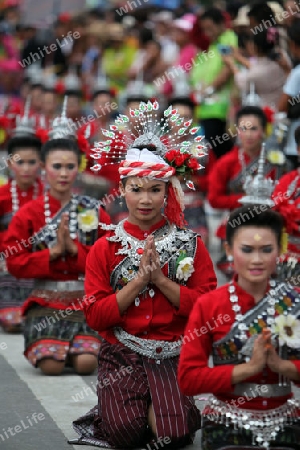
(36, 412)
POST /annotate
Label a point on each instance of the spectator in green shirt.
(213, 80)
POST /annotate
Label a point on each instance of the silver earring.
(121, 203)
(230, 258)
(165, 201)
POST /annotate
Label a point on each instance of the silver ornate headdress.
(143, 128)
(25, 125)
(62, 127)
(258, 189)
(101, 81)
(252, 98)
(71, 81)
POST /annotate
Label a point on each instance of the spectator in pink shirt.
(187, 50)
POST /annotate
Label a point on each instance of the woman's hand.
(70, 245)
(144, 272)
(156, 272)
(60, 247)
(260, 352)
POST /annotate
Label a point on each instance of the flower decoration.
(83, 163)
(184, 266)
(276, 157)
(287, 328)
(88, 220)
(184, 163)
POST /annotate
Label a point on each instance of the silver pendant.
(151, 293)
(137, 302)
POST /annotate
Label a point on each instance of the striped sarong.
(127, 384)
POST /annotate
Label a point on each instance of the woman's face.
(144, 199)
(254, 251)
(61, 168)
(26, 167)
(251, 133)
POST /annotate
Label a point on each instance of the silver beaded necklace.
(236, 308)
(72, 214)
(15, 196)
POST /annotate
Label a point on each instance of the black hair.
(266, 40)
(252, 111)
(297, 136)
(185, 101)
(100, 92)
(145, 35)
(74, 93)
(18, 143)
(60, 144)
(254, 216)
(214, 14)
(293, 32)
(260, 11)
(138, 98)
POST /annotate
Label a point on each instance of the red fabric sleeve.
(217, 188)
(201, 281)
(194, 375)
(103, 313)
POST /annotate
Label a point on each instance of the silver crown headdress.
(35, 73)
(252, 98)
(101, 82)
(258, 189)
(25, 125)
(145, 128)
(71, 81)
(50, 80)
(62, 127)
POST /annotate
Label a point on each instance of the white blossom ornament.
(287, 328)
(88, 220)
(185, 269)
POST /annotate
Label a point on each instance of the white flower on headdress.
(88, 220)
(287, 328)
(185, 268)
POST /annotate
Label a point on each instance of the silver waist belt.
(261, 390)
(148, 347)
(49, 285)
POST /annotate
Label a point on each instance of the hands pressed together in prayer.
(149, 269)
(265, 355)
(64, 244)
(149, 272)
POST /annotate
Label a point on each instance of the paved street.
(36, 411)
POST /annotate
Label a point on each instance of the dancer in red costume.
(24, 161)
(154, 270)
(55, 233)
(250, 326)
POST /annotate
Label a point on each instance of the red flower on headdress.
(184, 163)
(5, 122)
(269, 112)
(42, 134)
(60, 87)
(193, 164)
(83, 143)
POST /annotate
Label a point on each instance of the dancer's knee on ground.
(51, 367)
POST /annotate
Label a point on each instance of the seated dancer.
(227, 177)
(24, 162)
(153, 272)
(287, 203)
(251, 328)
(58, 230)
